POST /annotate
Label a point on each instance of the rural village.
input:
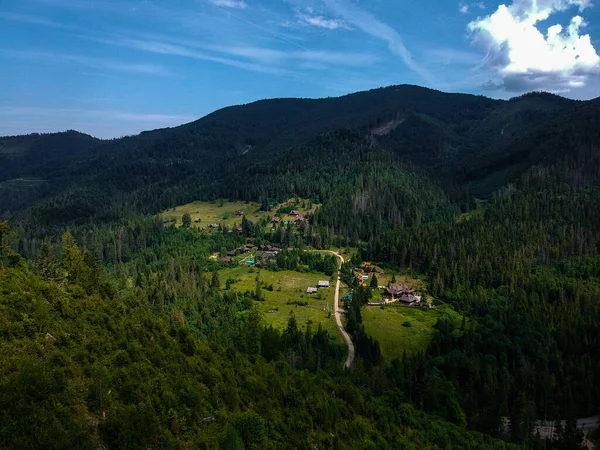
(397, 304)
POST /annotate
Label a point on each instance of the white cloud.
(237, 4)
(321, 22)
(466, 7)
(524, 58)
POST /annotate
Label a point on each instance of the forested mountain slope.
(494, 205)
(429, 128)
(89, 364)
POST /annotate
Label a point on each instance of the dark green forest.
(113, 330)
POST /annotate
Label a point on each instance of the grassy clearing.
(386, 325)
(386, 278)
(288, 287)
(222, 212)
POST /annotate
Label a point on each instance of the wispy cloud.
(466, 7)
(253, 58)
(320, 21)
(29, 19)
(281, 57)
(371, 25)
(166, 48)
(95, 63)
(236, 4)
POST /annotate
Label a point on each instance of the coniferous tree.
(215, 282)
(186, 221)
(374, 282)
(73, 263)
(46, 264)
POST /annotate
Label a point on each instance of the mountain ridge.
(443, 133)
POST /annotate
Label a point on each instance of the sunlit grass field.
(386, 326)
(222, 212)
(289, 287)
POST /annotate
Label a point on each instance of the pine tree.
(46, 264)
(4, 230)
(215, 282)
(73, 263)
(186, 221)
(374, 282)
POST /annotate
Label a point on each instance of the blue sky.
(116, 67)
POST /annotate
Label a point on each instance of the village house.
(231, 253)
(322, 284)
(300, 219)
(312, 290)
(294, 212)
(197, 220)
(213, 226)
(239, 212)
(265, 258)
(250, 246)
(403, 294)
(239, 230)
(275, 219)
(227, 260)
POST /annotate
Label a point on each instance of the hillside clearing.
(288, 294)
(222, 212)
(386, 326)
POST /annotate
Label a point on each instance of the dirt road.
(338, 313)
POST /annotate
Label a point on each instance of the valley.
(178, 288)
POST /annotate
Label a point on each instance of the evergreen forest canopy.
(114, 332)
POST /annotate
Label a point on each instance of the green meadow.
(387, 326)
(222, 212)
(288, 294)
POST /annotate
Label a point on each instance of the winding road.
(338, 311)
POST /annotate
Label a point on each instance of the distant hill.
(23, 153)
(458, 139)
